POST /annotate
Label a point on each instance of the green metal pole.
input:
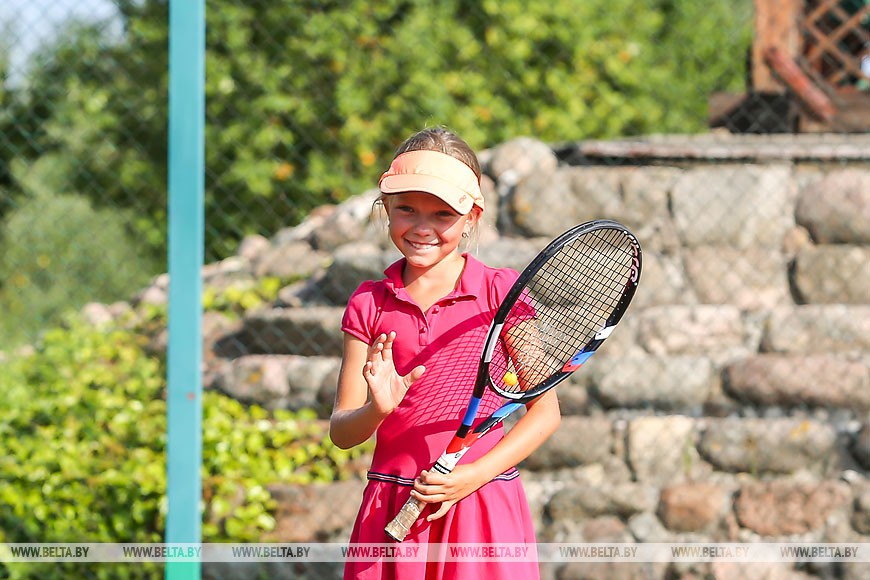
(186, 227)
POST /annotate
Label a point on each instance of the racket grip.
(401, 524)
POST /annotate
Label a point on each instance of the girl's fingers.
(376, 347)
(414, 375)
(381, 348)
(378, 342)
(442, 511)
(428, 497)
(431, 477)
(388, 345)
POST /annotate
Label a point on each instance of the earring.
(465, 235)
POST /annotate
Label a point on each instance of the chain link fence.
(733, 405)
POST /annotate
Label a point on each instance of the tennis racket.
(562, 307)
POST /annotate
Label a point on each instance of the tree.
(15, 126)
(307, 100)
(58, 253)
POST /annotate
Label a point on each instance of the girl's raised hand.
(386, 387)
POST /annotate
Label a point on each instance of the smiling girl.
(411, 344)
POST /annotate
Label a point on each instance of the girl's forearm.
(350, 427)
(531, 431)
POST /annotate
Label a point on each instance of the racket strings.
(566, 302)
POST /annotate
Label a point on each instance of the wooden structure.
(810, 69)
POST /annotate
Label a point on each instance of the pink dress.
(447, 339)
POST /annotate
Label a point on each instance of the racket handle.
(401, 524)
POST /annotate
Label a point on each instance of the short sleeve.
(500, 283)
(523, 309)
(360, 316)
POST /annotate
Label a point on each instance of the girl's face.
(424, 228)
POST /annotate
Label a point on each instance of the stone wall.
(731, 405)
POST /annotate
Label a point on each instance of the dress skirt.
(488, 535)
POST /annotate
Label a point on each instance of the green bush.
(234, 300)
(82, 451)
(58, 253)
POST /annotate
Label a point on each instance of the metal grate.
(836, 36)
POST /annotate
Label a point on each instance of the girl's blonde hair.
(444, 141)
(447, 142)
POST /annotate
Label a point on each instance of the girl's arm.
(353, 419)
(540, 421)
(369, 389)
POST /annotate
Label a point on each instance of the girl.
(411, 345)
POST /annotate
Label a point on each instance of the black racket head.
(561, 308)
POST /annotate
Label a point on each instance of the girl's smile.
(422, 246)
(424, 228)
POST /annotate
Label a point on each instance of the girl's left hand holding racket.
(447, 489)
(443, 490)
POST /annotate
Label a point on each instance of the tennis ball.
(510, 379)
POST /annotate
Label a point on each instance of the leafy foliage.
(82, 450)
(58, 253)
(307, 100)
(234, 300)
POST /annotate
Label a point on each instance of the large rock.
(800, 381)
(784, 508)
(546, 203)
(680, 383)
(833, 274)
(645, 194)
(756, 571)
(534, 199)
(352, 220)
(663, 282)
(751, 278)
(311, 331)
(515, 253)
(692, 506)
(611, 570)
(662, 449)
(733, 206)
(351, 265)
(759, 446)
(720, 332)
(310, 513)
(281, 381)
(293, 261)
(817, 328)
(836, 208)
(515, 159)
(561, 449)
(582, 500)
